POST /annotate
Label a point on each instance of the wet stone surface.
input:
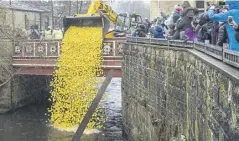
(30, 122)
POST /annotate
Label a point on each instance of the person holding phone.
(223, 17)
(232, 23)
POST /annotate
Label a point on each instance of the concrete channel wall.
(18, 90)
(173, 94)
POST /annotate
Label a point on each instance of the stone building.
(23, 16)
(166, 6)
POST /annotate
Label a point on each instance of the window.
(199, 3)
(26, 22)
(46, 22)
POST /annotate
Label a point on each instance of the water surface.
(30, 123)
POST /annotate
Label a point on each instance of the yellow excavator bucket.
(86, 20)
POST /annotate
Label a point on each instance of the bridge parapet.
(52, 48)
(39, 57)
(222, 53)
(37, 48)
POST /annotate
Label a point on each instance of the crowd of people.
(218, 24)
(47, 34)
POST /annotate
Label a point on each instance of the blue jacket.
(223, 17)
(158, 33)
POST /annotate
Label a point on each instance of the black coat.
(222, 35)
(185, 20)
(237, 34)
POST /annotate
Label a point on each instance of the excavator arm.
(101, 7)
(98, 14)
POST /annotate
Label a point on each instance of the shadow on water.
(30, 123)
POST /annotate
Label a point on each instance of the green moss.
(187, 110)
(208, 108)
(208, 134)
(196, 131)
(234, 116)
(224, 99)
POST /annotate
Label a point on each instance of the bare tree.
(140, 7)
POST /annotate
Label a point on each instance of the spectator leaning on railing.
(223, 17)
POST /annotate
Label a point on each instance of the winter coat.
(171, 29)
(203, 19)
(223, 17)
(204, 33)
(214, 32)
(140, 31)
(34, 34)
(151, 30)
(158, 33)
(186, 19)
(147, 26)
(237, 35)
(222, 34)
(176, 16)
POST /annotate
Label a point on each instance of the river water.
(30, 123)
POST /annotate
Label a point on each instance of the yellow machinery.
(99, 15)
(135, 20)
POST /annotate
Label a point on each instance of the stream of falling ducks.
(75, 80)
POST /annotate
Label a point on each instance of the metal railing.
(34, 48)
(220, 53)
(52, 48)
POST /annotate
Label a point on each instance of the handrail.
(52, 48)
(221, 53)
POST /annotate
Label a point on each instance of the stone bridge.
(39, 57)
(26, 69)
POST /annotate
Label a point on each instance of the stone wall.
(16, 90)
(6, 72)
(29, 89)
(23, 90)
(174, 94)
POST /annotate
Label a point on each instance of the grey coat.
(185, 20)
(222, 35)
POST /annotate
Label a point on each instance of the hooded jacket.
(186, 17)
(158, 33)
(185, 20)
(223, 17)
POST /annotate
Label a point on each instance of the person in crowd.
(223, 17)
(158, 33)
(171, 29)
(204, 28)
(222, 32)
(215, 28)
(176, 13)
(151, 30)
(214, 32)
(57, 33)
(185, 20)
(190, 35)
(236, 27)
(140, 31)
(48, 33)
(33, 33)
(147, 24)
